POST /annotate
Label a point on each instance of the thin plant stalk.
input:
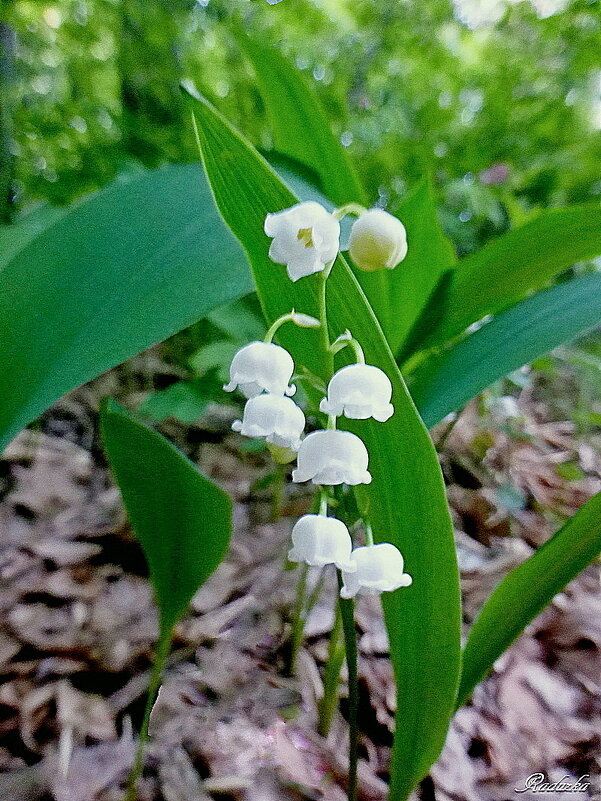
(298, 618)
(347, 613)
(336, 653)
(156, 676)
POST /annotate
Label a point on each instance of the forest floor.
(79, 625)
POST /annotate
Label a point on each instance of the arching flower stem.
(349, 208)
(348, 340)
(302, 320)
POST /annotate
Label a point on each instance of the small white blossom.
(377, 240)
(332, 457)
(276, 418)
(259, 367)
(379, 569)
(305, 238)
(359, 391)
(319, 540)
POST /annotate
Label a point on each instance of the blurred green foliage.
(499, 101)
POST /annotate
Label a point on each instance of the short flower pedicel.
(379, 569)
(319, 541)
(332, 457)
(305, 238)
(276, 418)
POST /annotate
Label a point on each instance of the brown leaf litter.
(78, 629)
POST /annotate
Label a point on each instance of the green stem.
(323, 319)
(347, 613)
(348, 340)
(161, 655)
(271, 332)
(349, 208)
(329, 700)
(298, 618)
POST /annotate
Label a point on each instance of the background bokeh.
(499, 101)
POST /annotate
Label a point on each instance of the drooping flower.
(305, 238)
(319, 540)
(332, 457)
(276, 418)
(359, 391)
(379, 569)
(377, 240)
(261, 367)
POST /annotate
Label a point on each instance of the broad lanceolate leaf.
(181, 518)
(527, 590)
(506, 269)
(406, 499)
(446, 382)
(132, 265)
(300, 126)
(399, 296)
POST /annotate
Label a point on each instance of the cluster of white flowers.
(306, 240)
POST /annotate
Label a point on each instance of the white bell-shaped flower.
(261, 367)
(377, 240)
(319, 540)
(332, 457)
(359, 391)
(379, 569)
(305, 238)
(276, 418)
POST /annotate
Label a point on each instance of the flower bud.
(319, 540)
(379, 569)
(377, 240)
(359, 391)
(276, 418)
(305, 238)
(332, 457)
(261, 367)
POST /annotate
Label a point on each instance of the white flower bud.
(332, 457)
(276, 418)
(261, 366)
(305, 238)
(359, 391)
(377, 240)
(319, 540)
(379, 569)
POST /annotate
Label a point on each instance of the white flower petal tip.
(306, 237)
(377, 241)
(276, 418)
(261, 367)
(379, 569)
(332, 457)
(319, 541)
(359, 391)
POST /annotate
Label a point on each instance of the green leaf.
(399, 296)
(527, 590)
(181, 518)
(515, 337)
(184, 400)
(126, 268)
(507, 268)
(301, 128)
(14, 238)
(407, 504)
